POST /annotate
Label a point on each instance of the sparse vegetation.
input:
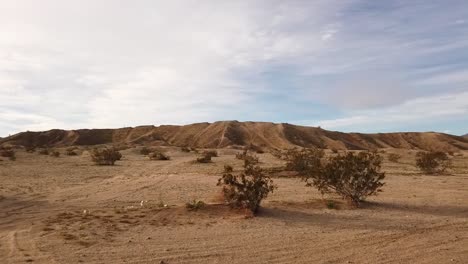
(352, 176)
(145, 151)
(212, 153)
(306, 162)
(44, 151)
(7, 153)
(184, 149)
(105, 156)
(434, 162)
(55, 154)
(194, 205)
(394, 157)
(157, 155)
(205, 158)
(247, 158)
(71, 151)
(30, 149)
(247, 189)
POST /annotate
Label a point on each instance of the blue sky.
(361, 66)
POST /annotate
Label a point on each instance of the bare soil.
(67, 210)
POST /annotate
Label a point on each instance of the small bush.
(331, 204)
(105, 156)
(352, 176)
(30, 149)
(434, 162)
(247, 158)
(184, 149)
(145, 151)
(55, 154)
(306, 161)
(247, 189)
(71, 152)
(194, 205)
(44, 152)
(157, 155)
(334, 151)
(8, 153)
(393, 157)
(204, 158)
(212, 153)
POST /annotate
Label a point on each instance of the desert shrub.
(331, 204)
(254, 148)
(44, 151)
(55, 154)
(71, 151)
(212, 153)
(194, 205)
(145, 151)
(305, 162)
(30, 149)
(205, 158)
(157, 155)
(352, 176)
(105, 156)
(451, 153)
(335, 151)
(434, 162)
(247, 189)
(247, 158)
(393, 157)
(8, 153)
(184, 149)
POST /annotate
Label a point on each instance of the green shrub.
(105, 156)
(352, 176)
(247, 189)
(434, 162)
(306, 162)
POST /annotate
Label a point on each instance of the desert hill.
(224, 134)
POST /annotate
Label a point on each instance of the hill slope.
(230, 133)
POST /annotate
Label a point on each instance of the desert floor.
(67, 210)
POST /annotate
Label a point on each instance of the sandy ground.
(67, 210)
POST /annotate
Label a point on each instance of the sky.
(353, 66)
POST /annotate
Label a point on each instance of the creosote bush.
(44, 151)
(7, 153)
(105, 156)
(205, 158)
(145, 151)
(55, 154)
(212, 153)
(306, 162)
(194, 205)
(393, 157)
(71, 151)
(434, 162)
(157, 155)
(246, 189)
(246, 157)
(352, 176)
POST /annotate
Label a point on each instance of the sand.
(67, 210)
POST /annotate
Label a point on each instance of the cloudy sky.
(354, 65)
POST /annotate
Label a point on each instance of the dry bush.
(145, 151)
(44, 151)
(185, 149)
(30, 149)
(205, 158)
(434, 162)
(247, 158)
(393, 157)
(352, 176)
(71, 151)
(335, 151)
(195, 205)
(247, 189)
(7, 153)
(55, 154)
(157, 155)
(212, 153)
(105, 156)
(305, 162)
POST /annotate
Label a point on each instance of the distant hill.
(224, 134)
